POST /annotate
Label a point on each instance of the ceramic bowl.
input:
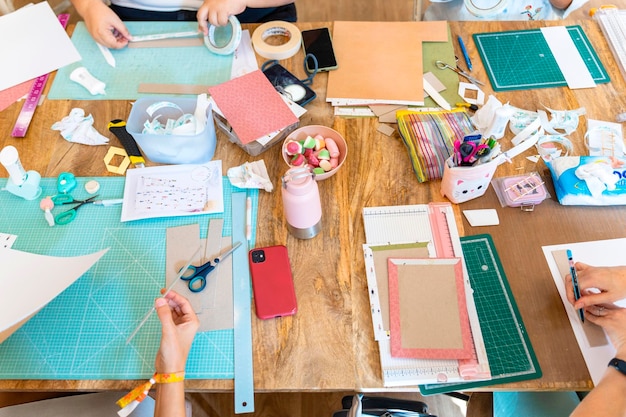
(302, 133)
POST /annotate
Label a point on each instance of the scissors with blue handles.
(68, 216)
(196, 275)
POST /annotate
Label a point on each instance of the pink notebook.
(428, 309)
(252, 106)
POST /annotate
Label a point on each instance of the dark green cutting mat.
(522, 60)
(511, 356)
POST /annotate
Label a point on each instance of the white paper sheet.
(33, 43)
(567, 57)
(28, 284)
(173, 190)
(597, 253)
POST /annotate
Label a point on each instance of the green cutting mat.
(82, 333)
(522, 60)
(187, 65)
(511, 356)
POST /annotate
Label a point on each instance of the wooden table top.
(329, 344)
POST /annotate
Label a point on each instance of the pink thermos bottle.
(301, 202)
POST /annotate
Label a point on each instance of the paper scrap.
(568, 58)
(30, 281)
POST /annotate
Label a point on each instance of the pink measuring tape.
(26, 114)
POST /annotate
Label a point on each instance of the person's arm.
(607, 399)
(179, 325)
(217, 12)
(103, 24)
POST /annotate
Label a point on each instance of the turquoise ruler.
(242, 295)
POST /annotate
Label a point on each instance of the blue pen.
(465, 54)
(572, 271)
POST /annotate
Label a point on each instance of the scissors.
(197, 275)
(466, 153)
(69, 215)
(442, 65)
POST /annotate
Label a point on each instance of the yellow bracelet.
(131, 400)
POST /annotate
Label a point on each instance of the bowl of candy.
(320, 147)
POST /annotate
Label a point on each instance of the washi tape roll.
(554, 146)
(233, 42)
(277, 28)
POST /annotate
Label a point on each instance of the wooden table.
(329, 344)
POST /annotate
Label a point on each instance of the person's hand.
(179, 325)
(104, 25)
(598, 285)
(217, 12)
(613, 320)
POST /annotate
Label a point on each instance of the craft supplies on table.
(522, 59)
(184, 66)
(82, 333)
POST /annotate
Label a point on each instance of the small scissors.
(197, 275)
(466, 153)
(442, 65)
(69, 215)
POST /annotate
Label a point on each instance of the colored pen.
(248, 220)
(465, 54)
(572, 271)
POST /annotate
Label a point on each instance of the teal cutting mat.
(511, 356)
(187, 65)
(522, 60)
(82, 333)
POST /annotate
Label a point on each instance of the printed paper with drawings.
(173, 190)
(27, 284)
(395, 227)
(594, 345)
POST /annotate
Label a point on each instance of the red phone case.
(272, 283)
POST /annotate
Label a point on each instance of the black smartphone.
(319, 43)
(288, 84)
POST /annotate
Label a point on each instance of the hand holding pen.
(598, 285)
(575, 286)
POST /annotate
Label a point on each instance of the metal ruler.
(242, 295)
(32, 100)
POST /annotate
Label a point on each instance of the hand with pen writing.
(600, 288)
(103, 24)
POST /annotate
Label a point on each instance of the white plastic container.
(171, 149)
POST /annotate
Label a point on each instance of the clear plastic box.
(171, 149)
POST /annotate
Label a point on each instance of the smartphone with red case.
(272, 282)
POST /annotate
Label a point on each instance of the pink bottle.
(301, 202)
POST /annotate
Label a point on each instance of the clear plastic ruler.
(33, 97)
(242, 295)
(612, 21)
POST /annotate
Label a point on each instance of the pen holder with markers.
(464, 183)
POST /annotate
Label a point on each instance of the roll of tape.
(231, 45)
(277, 28)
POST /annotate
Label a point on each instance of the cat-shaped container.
(464, 183)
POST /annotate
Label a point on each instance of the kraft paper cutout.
(428, 310)
(380, 255)
(381, 60)
(252, 106)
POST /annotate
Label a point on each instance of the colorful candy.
(322, 154)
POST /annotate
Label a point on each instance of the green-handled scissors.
(69, 215)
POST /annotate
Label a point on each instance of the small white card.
(482, 217)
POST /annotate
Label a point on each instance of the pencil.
(465, 54)
(572, 271)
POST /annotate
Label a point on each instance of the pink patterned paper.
(252, 106)
(12, 94)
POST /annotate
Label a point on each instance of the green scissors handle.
(68, 216)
